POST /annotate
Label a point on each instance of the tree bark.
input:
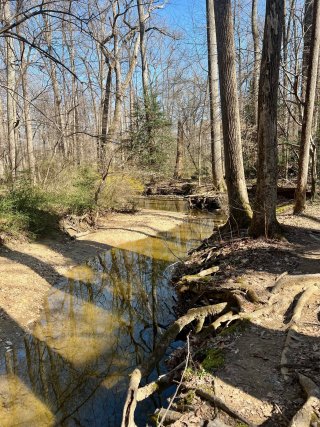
(11, 100)
(307, 40)
(306, 133)
(239, 207)
(180, 152)
(255, 74)
(102, 141)
(52, 68)
(264, 222)
(215, 132)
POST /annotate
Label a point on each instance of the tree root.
(304, 298)
(298, 280)
(162, 381)
(146, 367)
(171, 416)
(208, 395)
(276, 300)
(305, 414)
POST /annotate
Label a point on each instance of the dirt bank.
(251, 355)
(28, 270)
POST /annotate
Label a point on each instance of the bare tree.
(306, 133)
(178, 170)
(239, 207)
(11, 97)
(264, 221)
(256, 53)
(216, 148)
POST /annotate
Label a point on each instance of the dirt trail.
(29, 270)
(259, 365)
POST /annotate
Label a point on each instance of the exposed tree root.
(304, 298)
(305, 414)
(297, 280)
(146, 367)
(162, 381)
(240, 297)
(171, 416)
(208, 395)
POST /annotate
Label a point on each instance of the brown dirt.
(250, 381)
(29, 270)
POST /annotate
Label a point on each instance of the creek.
(100, 321)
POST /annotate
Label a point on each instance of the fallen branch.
(305, 414)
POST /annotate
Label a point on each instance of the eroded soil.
(250, 379)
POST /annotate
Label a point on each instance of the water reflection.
(97, 325)
(173, 204)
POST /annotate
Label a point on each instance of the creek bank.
(201, 197)
(28, 270)
(251, 311)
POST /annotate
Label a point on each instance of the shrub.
(24, 209)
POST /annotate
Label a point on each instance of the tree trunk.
(239, 207)
(11, 100)
(307, 40)
(145, 72)
(28, 126)
(264, 222)
(52, 68)
(216, 149)
(255, 74)
(306, 133)
(180, 152)
(102, 141)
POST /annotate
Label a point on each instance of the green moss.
(214, 359)
(284, 208)
(188, 399)
(239, 326)
(192, 373)
(241, 424)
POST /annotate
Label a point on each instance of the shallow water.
(98, 323)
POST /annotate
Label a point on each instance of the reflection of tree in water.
(94, 329)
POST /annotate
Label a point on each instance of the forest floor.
(28, 270)
(250, 367)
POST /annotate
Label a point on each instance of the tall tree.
(216, 148)
(178, 170)
(255, 74)
(264, 221)
(306, 132)
(307, 40)
(11, 95)
(239, 207)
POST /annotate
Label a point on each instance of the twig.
(179, 385)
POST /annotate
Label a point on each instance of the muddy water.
(98, 323)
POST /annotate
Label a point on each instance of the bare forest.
(159, 213)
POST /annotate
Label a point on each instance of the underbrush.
(28, 211)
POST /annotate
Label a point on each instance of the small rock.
(8, 342)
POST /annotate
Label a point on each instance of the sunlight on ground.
(19, 406)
